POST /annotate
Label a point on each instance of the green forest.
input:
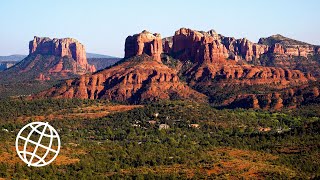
(201, 142)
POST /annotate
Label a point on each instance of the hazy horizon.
(103, 26)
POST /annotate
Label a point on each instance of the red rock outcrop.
(211, 51)
(210, 47)
(243, 48)
(290, 98)
(249, 50)
(42, 77)
(144, 42)
(288, 47)
(198, 46)
(167, 44)
(291, 54)
(66, 47)
(244, 75)
(277, 51)
(135, 80)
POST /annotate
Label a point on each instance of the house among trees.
(266, 129)
(152, 122)
(194, 126)
(164, 126)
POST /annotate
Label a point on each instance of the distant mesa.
(95, 55)
(6, 64)
(14, 57)
(101, 61)
(66, 47)
(50, 59)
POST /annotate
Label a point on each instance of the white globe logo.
(38, 144)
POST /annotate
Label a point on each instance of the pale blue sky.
(102, 26)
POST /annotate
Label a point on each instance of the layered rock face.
(281, 45)
(245, 75)
(224, 62)
(144, 43)
(137, 79)
(243, 48)
(292, 54)
(198, 46)
(212, 47)
(210, 52)
(290, 98)
(66, 47)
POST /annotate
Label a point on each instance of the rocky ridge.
(186, 43)
(204, 59)
(135, 80)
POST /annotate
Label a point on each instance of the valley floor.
(112, 141)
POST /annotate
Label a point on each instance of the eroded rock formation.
(198, 46)
(277, 51)
(144, 42)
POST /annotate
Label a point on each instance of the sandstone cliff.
(211, 53)
(243, 48)
(167, 44)
(276, 51)
(198, 46)
(144, 42)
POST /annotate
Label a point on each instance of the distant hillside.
(15, 57)
(6, 64)
(285, 41)
(101, 63)
(93, 55)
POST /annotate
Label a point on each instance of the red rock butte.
(144, 42)
(66, 47)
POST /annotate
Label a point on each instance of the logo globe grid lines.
(41, 160)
